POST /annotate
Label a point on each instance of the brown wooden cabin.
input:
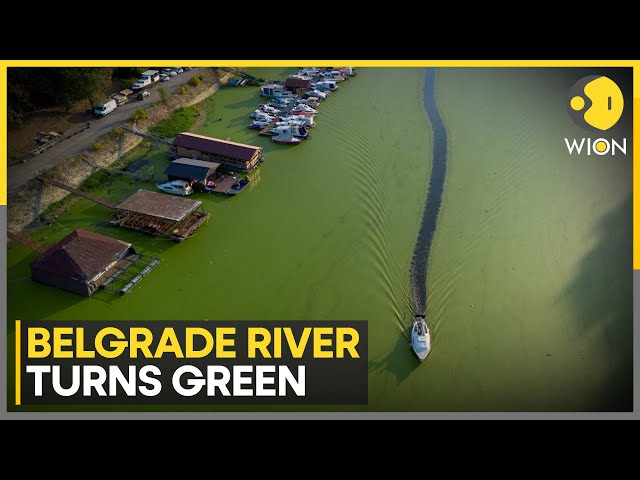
(80, 261)
(231, 155)
(297, 84)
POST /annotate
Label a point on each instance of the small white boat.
(301, 107)
(259, 124)
(420, 337)
(176, 187)
(286, 139)
(281, 102)
(328, 85)
(275, 90)
(296, 130)
(269, 109)
(313, 102)
(305, 120)
(334, 75)
(320, 93)
(308, 72)
(260, 115)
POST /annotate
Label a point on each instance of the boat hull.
(420, 339)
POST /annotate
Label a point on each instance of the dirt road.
(18, 175)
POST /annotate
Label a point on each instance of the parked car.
(164, 77)
(170, 72)
(186, 69)
(143, 95)
(178, 69)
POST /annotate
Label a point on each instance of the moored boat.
(238, 186)
(176, 187)
(295, 130)
(259, 123)
(286, 139)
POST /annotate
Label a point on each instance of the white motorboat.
(306, 120)
(420, 337)
(317, 93)
(259, 123)
(295, 130)
(260, 115)
(269, 109)
(176, 187)
(275, 90)
(334, 75)
(328, 85)
(301, 107)
(286, 139)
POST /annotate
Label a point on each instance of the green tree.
(89, 83)
(139, 115)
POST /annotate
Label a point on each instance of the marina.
(294, 102)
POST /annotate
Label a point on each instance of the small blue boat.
(420, 337)
(238, 186)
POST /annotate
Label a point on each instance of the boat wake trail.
(418, 274)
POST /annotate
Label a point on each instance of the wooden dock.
(18, 237)
(144, 178)
(68, 188)
(265, 130)
(148, 136)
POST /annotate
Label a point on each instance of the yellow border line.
(321, 62)
(636, 169)
(3, 135)
(18, 385)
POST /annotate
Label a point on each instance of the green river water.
(530, 280)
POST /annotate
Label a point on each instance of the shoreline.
(25, 206)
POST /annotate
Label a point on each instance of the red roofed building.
(232, 155)
(78, 262)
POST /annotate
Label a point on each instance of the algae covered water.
(529, 292)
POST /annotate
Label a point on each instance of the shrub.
(183, 89)
(118, 132)
(97, 146)
(94, 181)
(139, 115)
(164, 95)
(195, 80)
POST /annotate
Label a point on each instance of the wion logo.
(595, 103)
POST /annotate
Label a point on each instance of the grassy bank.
(180, 121)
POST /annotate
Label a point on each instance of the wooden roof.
(297, 82)
(215, 146)
(161, 205)
(81, 255)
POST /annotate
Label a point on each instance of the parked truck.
(146, 79)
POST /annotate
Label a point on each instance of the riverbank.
(25, 207)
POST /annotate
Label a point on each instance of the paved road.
(18, 175)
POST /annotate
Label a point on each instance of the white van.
(105, 108)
